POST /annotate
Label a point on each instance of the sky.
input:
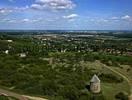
(66, 14)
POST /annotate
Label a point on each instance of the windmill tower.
(95, 84)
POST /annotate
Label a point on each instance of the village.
(92, 66)
(65, 49)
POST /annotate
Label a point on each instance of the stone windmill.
(95, 84)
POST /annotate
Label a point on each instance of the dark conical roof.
(95, 79)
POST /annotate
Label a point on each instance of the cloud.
(37, 7)
(102, 20)
(26, 20)
(13, 9)
(53, 4)
(7, 20)
(5, 11)
(98, 20)
(115, 18)
(21, 8)
(126, 17)
(72, 16)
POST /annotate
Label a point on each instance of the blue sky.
(66, 14)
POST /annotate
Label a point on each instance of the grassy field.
(109, 89)
(126, 70)
(7, 98)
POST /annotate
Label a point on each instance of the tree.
(121, 96)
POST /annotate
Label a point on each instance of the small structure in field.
(22, 55)
(7, 52)
(10, 41)
(95, 84)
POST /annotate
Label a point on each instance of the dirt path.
(34, 98)
(18, 96)
(124, 77)
(130, 97)
(9, 93)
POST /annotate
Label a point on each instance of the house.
(7, 52)
(10, 41)
(22, 55)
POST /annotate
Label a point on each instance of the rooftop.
(95, 79)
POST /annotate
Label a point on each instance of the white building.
(95, 84)
(9, 41)
(7, 52)
(22, 55)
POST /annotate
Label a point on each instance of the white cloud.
(13, 9)
(5, 10)
(99, 20)
(72, 16)
(114, 18)
(102, 20)
(21, 8)
(126, 17)
(25, 20)
(53, 4)
(7, 20)
(37, 6)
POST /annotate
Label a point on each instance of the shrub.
(121, 96)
